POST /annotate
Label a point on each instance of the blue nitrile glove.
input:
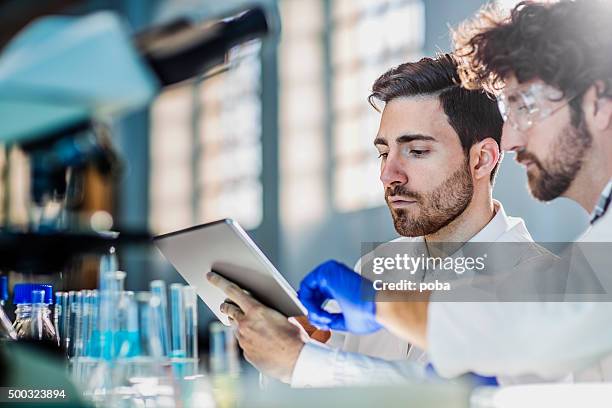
(354, 294)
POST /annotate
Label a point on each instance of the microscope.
(62, 79)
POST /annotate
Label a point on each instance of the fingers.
(311, 297)
(313, 294)
(232, 311)
(327, 321)
(315, 287)
(233, 291)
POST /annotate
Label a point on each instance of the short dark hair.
(567, 45)
(472, 113)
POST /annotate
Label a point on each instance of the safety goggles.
(522, 108)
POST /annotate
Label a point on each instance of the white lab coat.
(552, 338)
(382, 357)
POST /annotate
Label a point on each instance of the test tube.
(132, 325)
(76, 320)
(126, 336)
(177, 318)
(107, 300)
(223, 351)
(110, 292)
(68, 323)
(191, 322)
(159, 302)
(80, 311)
(93, 346)
(150, 344)
(61, 298)
(84, 331)
(108, 262)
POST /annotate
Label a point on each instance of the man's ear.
(597, 109)
(484, 156)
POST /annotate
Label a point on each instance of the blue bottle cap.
(4, 287)
(22, 292)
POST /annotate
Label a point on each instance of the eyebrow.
(405, 139)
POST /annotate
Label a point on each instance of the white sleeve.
(320, 366)
(545, 339)
(336, 339)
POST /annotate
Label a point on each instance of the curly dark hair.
(567, 45)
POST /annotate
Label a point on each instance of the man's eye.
(414, 152)
(383, 155)
(418, 153)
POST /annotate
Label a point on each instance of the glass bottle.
(32, 313)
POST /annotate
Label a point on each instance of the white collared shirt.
(382, 357)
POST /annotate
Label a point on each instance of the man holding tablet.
(552, 67)
(439, 149)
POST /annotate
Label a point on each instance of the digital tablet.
(225, 248)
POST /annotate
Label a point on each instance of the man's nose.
(392, 173)
(512, 139)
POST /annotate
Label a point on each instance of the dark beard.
(553, 177)
(437, 208)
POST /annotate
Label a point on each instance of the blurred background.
(280, 140)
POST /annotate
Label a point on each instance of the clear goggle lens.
(520, 109)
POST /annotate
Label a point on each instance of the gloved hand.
(354, 294)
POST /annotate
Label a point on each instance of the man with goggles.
(551, 65)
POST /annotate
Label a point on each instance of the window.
(206, 140)
(368, 38)
(302, 144)
(229, 135)
(206, 148)
(171, 176)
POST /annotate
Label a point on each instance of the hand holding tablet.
(225, 248)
